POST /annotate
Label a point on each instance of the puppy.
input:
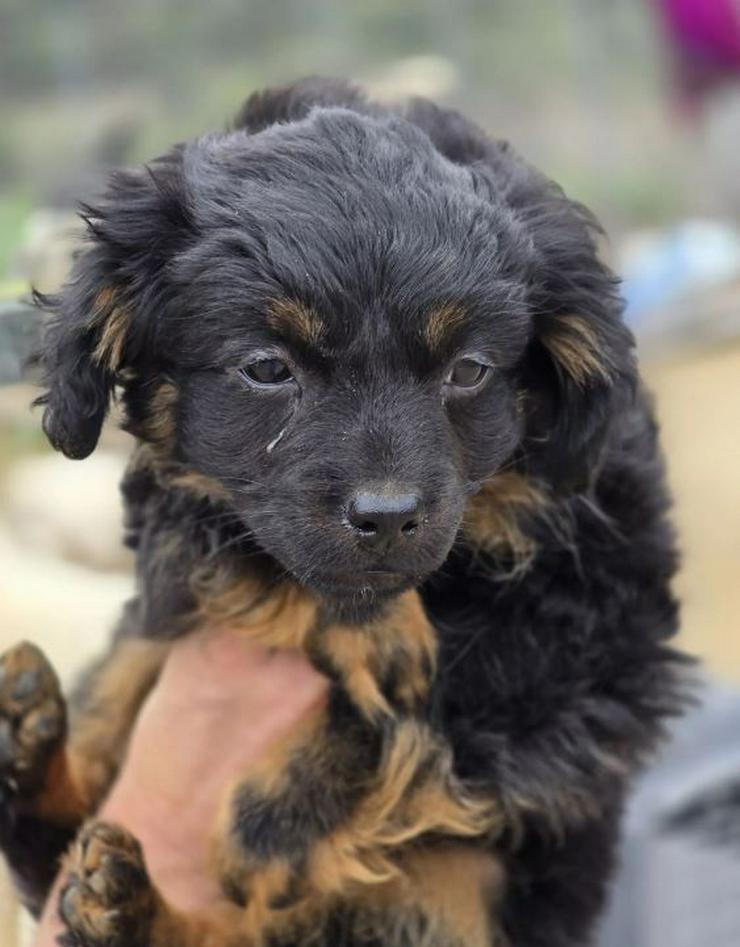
(385, 411)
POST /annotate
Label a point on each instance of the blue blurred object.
(662, 267)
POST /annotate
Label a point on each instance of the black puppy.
(386, 411)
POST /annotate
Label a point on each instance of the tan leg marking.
(99, 730)
(400, 642)
(414, 794)
(445, 893)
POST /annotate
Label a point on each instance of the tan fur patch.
(259, 917)
(364, 656)
(114, 321)
(259, 886)
(445, 893)
(415, 794)
(200, 484)
(442, 323)
(63, 800)
(493, 516)
(171, 473)
(159, 428)
(457, 887)
(103, 302)
(99, 734)
(408, 628)
(278, 618)
(574, 344)
(220, 926)
(295, 318)
(355, 655)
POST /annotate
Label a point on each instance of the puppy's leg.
(103, 711)
(33, 774)
(331, 807)
(33, 719)
(310, 782)
(51, 781)
(109, 900)
(445, 895)
(300, 793)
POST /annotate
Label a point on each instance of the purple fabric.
(706, 29)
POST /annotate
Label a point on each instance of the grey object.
(20, 326)
(679, 885)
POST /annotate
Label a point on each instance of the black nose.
(384, 516)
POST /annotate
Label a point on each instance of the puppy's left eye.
(467, 373)
(267, 371)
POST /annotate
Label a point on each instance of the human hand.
(218, 706)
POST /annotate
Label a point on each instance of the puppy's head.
(344, 334)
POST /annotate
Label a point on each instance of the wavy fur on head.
(370, 249)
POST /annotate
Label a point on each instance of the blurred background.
(633, 106)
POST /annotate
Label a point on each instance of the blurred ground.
(699, 408)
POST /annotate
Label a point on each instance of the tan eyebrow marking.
(442, 322)
(574, 343)
(294, 317)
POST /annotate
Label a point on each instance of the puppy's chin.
(357, 596)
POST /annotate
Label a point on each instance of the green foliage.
(14, 210)
(573, 84)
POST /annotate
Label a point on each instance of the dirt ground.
(699, 408)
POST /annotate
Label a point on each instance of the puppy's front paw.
(108, 900)
(32, 720)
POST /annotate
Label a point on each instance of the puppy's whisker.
(243, 482)
(235, 541)
(216, 517)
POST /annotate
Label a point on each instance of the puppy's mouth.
(371, 582)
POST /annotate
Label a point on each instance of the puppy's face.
(338, 328)
(350, 431)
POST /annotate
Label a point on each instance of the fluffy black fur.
(555, 673)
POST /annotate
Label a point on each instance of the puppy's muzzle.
(384, 517)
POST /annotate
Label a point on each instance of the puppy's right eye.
(267, 371)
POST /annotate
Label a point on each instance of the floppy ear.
(99, 322)
(581, 370)
(82, 348)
